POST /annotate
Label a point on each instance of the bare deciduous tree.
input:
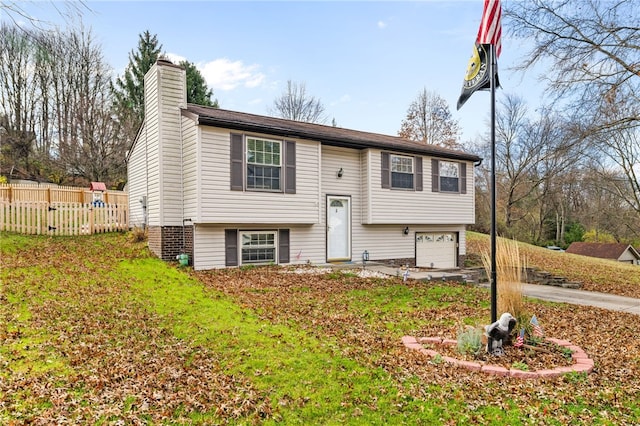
(429, 121)
(57, 107)
(592, 48)
(296, 104)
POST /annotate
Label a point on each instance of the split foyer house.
(230, 188)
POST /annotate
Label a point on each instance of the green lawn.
(94, 330)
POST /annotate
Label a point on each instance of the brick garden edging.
(582, 362)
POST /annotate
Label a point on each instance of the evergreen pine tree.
(197, 90)
(129, 89)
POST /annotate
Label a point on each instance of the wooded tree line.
(570, 172)
(64, 119)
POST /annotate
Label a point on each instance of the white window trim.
(258, 231)
(441, 175)
(248, 163)
(392, 171)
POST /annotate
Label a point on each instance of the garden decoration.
(536, 327)
(498, 332)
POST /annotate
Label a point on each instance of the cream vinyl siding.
(150, 142)
(388, 241)
(190, 167)
(395, 206)
(162, 141)
(173, 97)
(349, 185)
(209, 248)
(218, 204)
(137, 182)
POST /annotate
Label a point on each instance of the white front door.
(338, 228)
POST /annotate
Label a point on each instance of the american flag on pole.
(537, 330)
(520, 339)
(490, 33)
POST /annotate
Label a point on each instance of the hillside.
(601, 275)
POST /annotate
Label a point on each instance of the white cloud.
(342, 100)
(176, 59)
(224, 74)
(382, 25)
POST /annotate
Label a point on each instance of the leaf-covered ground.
(95, 331)
(605, 276)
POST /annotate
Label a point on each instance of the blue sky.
(365, 60)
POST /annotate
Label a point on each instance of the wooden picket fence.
(62, 218)
(58, 194)
(61, 210)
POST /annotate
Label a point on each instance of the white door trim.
(338, 222)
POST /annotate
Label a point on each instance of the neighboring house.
(230, 188)
(614, 251)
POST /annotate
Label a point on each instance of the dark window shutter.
(231, 247)
(290, 167)
(386, 175)
(463, 178)
(283, 246)
(237, 162)
(418, 173)
(435, 176)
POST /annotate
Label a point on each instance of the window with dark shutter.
(418, 172)
(237, 162)
(283, 246)
(290, 167)
(231, 247)
(384, 172)
(463, 178)
(435, 175)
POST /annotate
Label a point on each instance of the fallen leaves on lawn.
(124, 367)
(322, 307)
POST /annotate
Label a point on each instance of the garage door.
(436, 250)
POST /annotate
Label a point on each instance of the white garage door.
(436, 250)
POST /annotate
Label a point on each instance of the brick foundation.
(167, 242)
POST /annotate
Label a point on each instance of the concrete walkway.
(543, 292)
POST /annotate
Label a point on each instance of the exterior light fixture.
(405, 231)
(340, 172)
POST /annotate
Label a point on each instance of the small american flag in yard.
(520, 339)
(537, 330)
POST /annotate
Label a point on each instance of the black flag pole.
(494, 274)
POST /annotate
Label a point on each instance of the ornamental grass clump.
(509, 268)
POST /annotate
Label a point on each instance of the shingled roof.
(328, 135)
(601, 250)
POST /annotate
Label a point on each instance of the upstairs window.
(401, 172)
(264, 165)
(259, 164)
(449, 176)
